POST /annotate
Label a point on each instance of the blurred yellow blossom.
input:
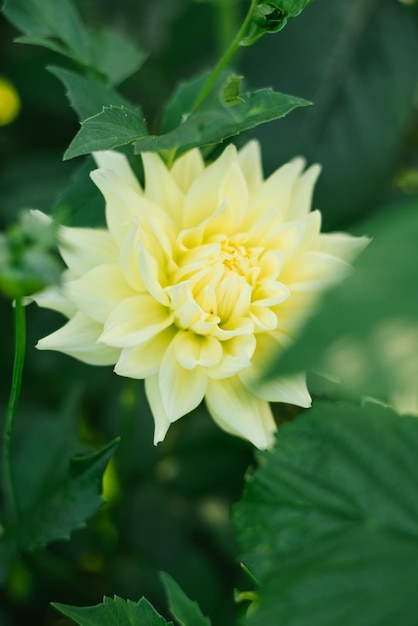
(198, 279)
(9, 102)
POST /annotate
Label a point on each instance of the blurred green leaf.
(328, 524)
(214, 121)
(113, 127)
(366, 331)
(115, 55)
(56, 488)
(44, 21)
(114, 612)
(185, 611)
(87, 96)
(355, 60)
(57, 26)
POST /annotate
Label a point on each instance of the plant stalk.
(10, 499)
(225, 59)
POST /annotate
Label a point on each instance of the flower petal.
(118, 163)
(237, 355)
(276, 191)
(239, 412)
(98, 292)
(249, 158)
(134, 321)
(292, 390)
(193, 350)
(342, 245)
(301, 199)
(206, 192)
(53, 298)
(314, 271)
(182, 390)
(78, 338)
(161, 187)
(161, 421)
(144, 360)
(84, 248)
(186, 168)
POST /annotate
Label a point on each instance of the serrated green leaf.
(87, 96)
(365, 333)
(215, 122)
(65, 504)
(328, 524)
(185, 611)
(56, 488)
(114, 612)
(113, 127)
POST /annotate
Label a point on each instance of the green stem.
(227, 21)
(10, 499)
(225, 59)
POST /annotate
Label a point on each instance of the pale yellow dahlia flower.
(196, 281)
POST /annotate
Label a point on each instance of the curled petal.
(118, 163)
(193, 350)
(134, 321)
(144, 360)
(182, 390)
(78, 338)
(239, 412)
(236, 356)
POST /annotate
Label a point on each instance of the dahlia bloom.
(198, 279)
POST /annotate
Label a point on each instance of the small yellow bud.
(9, 102)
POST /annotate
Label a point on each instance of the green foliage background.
(331, 514)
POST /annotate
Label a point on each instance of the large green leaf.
(185, 611)
(366, 332)
(46, 21)
(215, 120)
(328, 524)
(57, 489)
(355, 60)
(114, 612)
(113, 127)
(57, 25)
(87, 96)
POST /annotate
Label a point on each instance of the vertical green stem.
(225, 15)
(10, 499)
(227, 22)
(226, 58)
